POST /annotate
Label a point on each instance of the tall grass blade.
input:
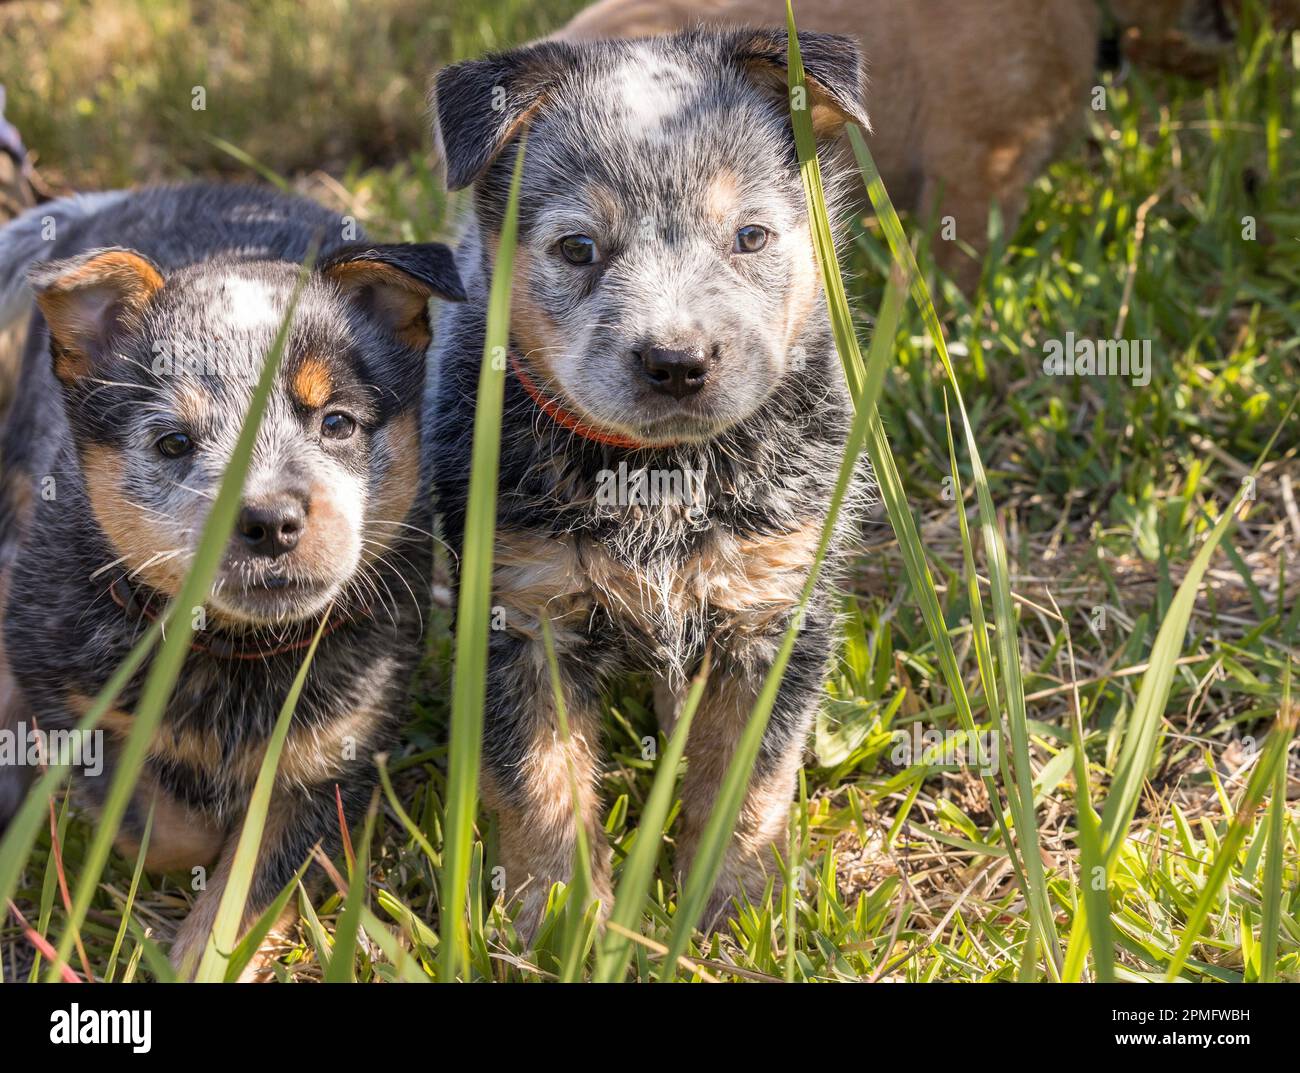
(342, 967)
(18, 840)
(230, 911)
(129, 904)
(1271, 917)
(469, 683)
(983, 658)
(1004, 616)
(1033, 883)
(1262, 779)
(638, 869)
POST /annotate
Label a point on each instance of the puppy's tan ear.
(834, 73)
(481, 105)
(86, 300)
(393, 284)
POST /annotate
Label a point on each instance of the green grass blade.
(404, 962)
(230, 911)
(1004, 616)
(983, 658)
(342, 967)
(638, 869)
(1092, 868)
(469, 684)
(176, 644)
(16, 846)
(49, 885)
(412, 828)
(1262, 779)
(1271, 892)
(247, 946)
(130, 896)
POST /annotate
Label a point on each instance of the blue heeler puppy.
(667, 322)
(154, 313)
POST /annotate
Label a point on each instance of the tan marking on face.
(312, 383)
(531, 327)
(75, 304)
(329, 529)
(602, 200)
(805, 285)
(128, 529)
(722, 199)
(192, 405)
(396, 493)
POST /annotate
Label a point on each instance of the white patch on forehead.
(649, 90)
(243, 304)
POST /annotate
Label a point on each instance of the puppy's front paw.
(191, 937)
(531, 905)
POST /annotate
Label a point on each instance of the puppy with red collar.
(675, 416)
(155, 311)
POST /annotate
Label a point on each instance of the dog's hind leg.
(541, 786)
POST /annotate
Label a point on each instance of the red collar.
(216, 645)
(565, 418)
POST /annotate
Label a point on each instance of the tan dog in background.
(970, 101)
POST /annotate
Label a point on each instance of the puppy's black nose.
(272, 529)
(676, 372)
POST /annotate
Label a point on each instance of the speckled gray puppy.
(667, 321)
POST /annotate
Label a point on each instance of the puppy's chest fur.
(736, 589)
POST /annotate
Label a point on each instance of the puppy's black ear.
(393, 284)
(480, 105)
(86, 300)
(834, 73)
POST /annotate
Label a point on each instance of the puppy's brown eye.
(749, 239)
(337, 427)
(174, 445)
(579, 250)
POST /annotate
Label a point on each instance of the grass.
(1114, 506)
